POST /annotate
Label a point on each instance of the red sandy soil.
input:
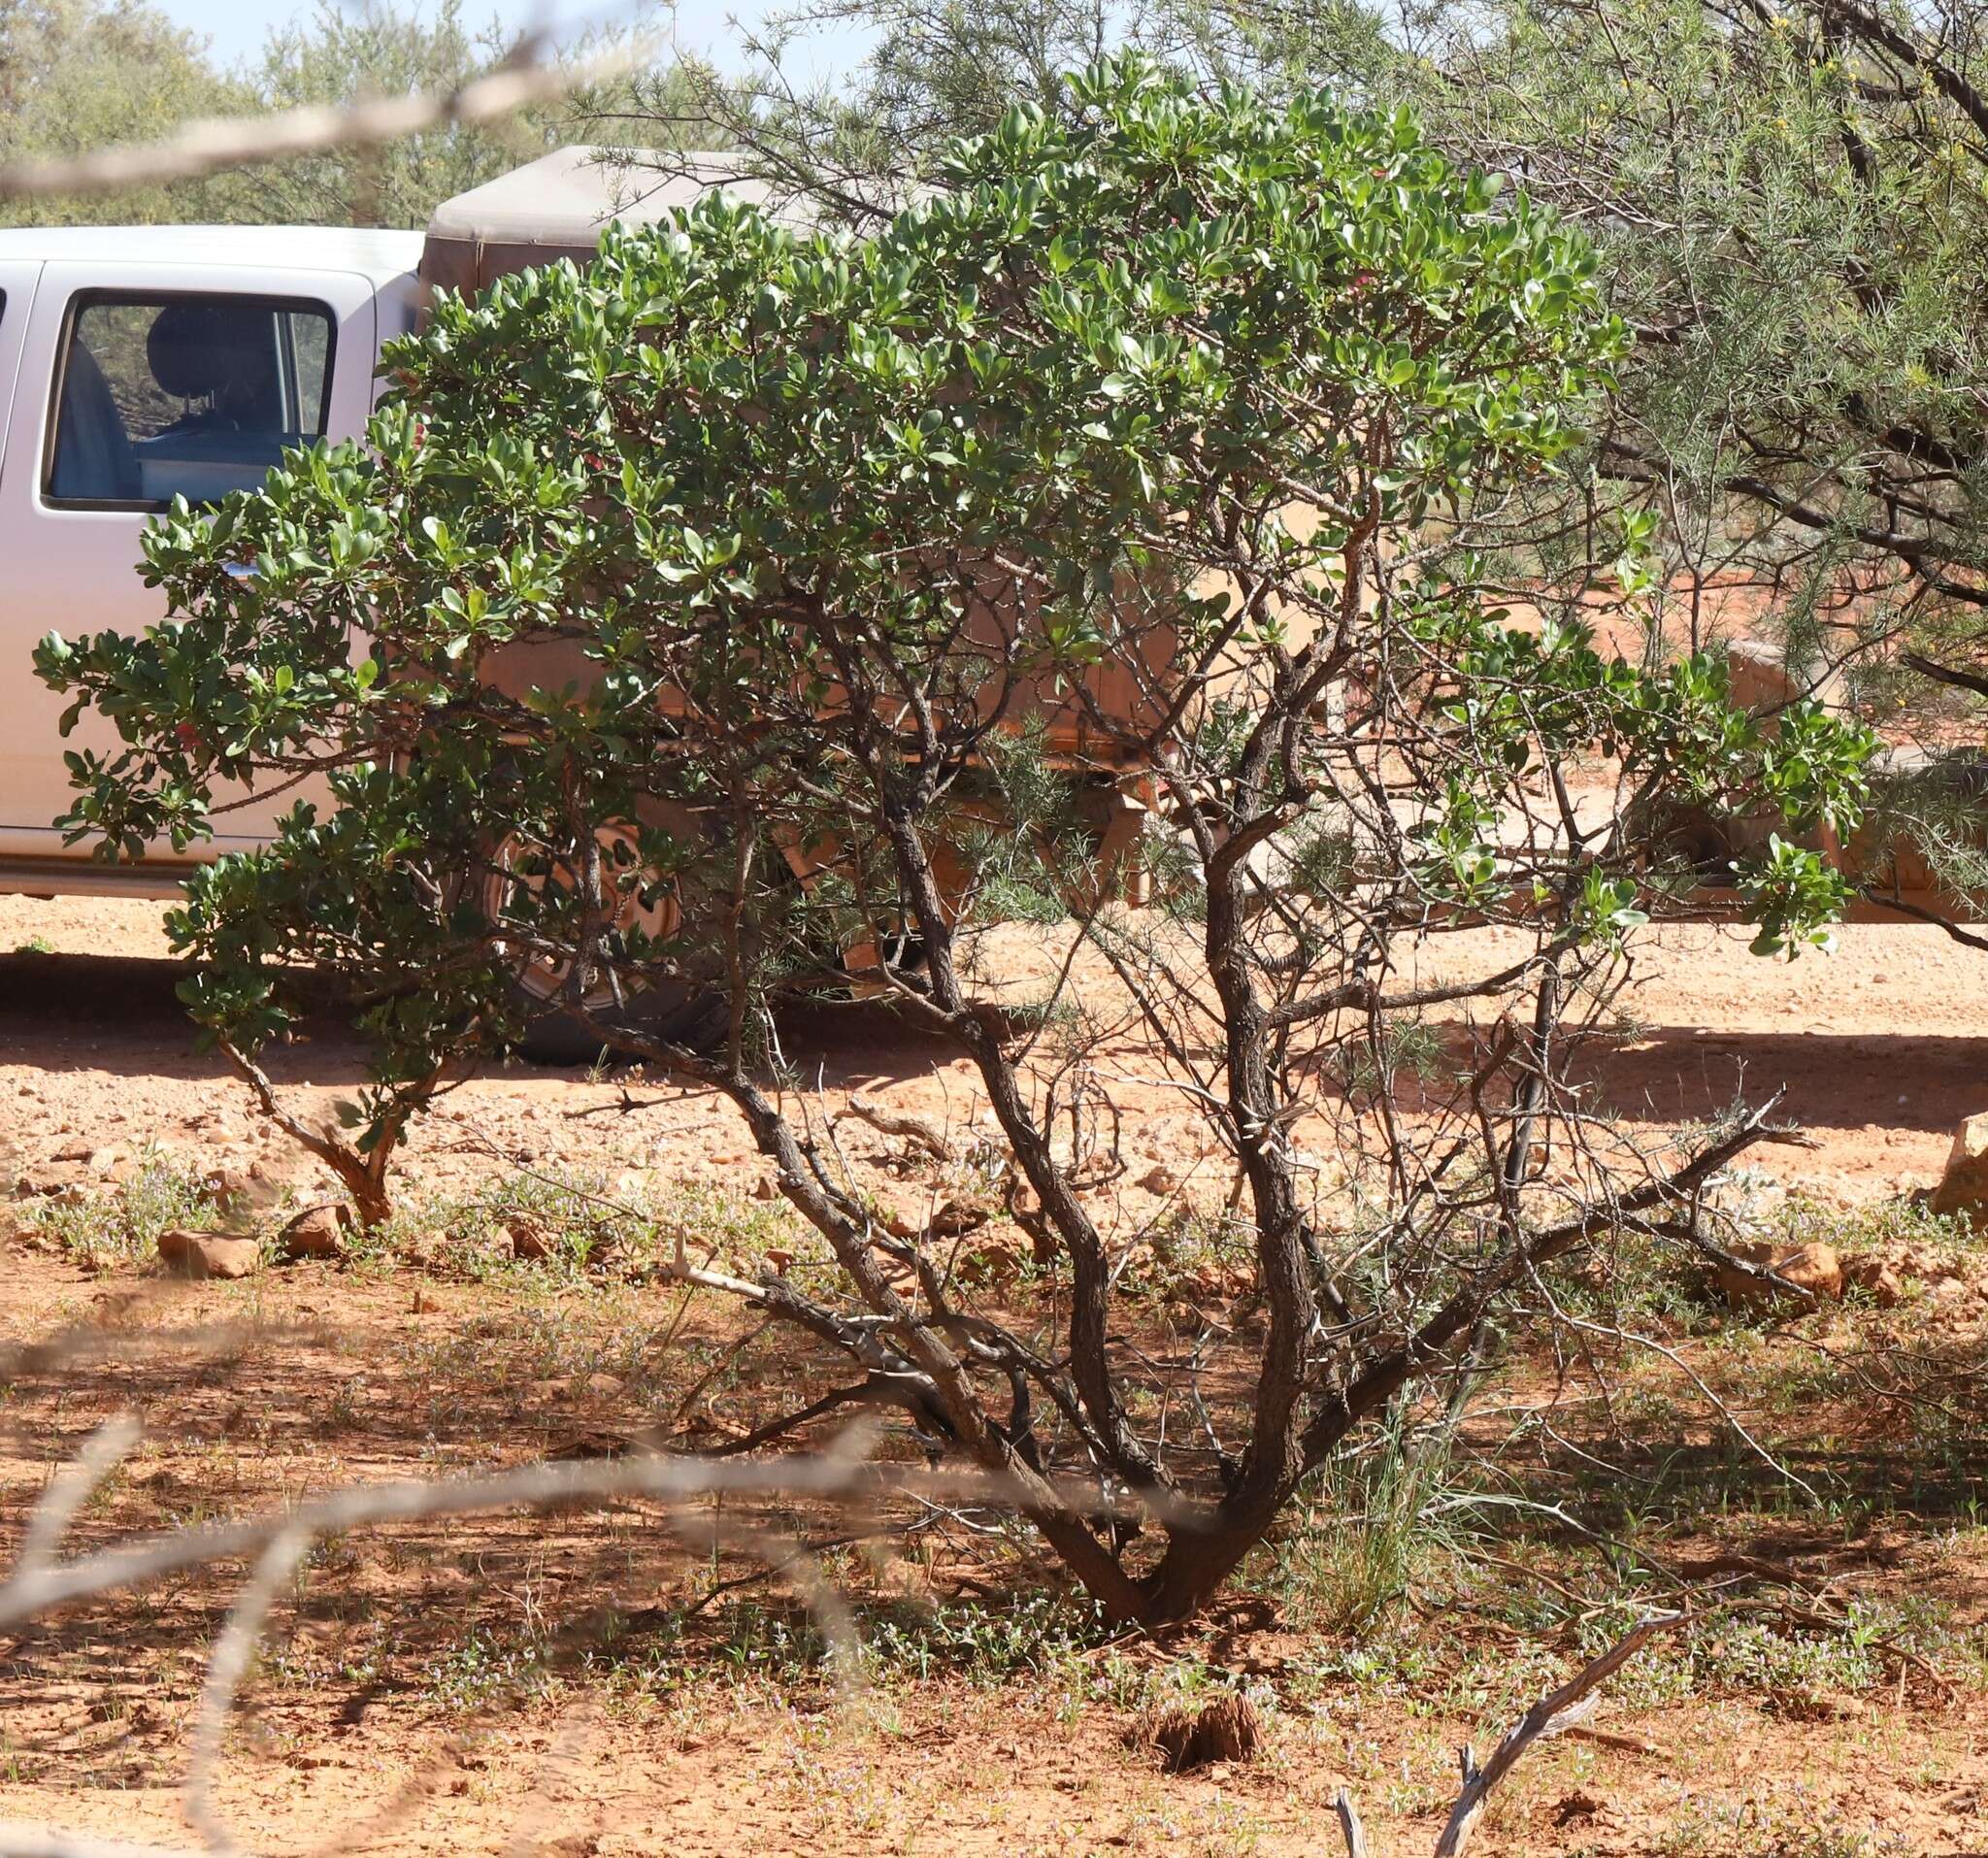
(967, 1773)
(1880, 1048)
(99, 1704)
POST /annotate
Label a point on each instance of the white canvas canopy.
(558, 206)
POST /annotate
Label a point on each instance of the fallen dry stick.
(1608, 1738)
(902, 1123)
(1563, 1710)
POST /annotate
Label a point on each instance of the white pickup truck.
(140, 363)
(137, 364)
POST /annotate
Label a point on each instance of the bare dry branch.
(1553, 1715)
(32, 1590)
(208, 146)
(279, 1541)
(1350, 1828)
(902, 1123)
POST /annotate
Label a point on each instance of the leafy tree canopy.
(77, 75)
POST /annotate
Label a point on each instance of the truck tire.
(675, 1014)
(675, 1009)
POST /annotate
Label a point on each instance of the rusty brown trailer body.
(557, 208)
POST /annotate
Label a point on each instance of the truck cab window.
(189, 396)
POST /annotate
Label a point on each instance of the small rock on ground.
(209, 1254)
(1964, 1182)
(318, 1232)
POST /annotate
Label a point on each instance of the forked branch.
(903, 1123)
(1564, 1709)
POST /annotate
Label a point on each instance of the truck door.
(17, 280)
(135, 383)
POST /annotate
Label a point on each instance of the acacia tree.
(1149, 452)
(1785, 196)
(858, 146)
(1790, 196)
(76, 74)
(1785, 200)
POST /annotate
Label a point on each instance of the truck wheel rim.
(539, 977)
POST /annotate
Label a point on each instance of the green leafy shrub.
(707, 599)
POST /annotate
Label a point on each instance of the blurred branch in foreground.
(213, 145)
(278, 1542)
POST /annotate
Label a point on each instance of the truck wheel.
(678, 1010)
(675, 1014)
